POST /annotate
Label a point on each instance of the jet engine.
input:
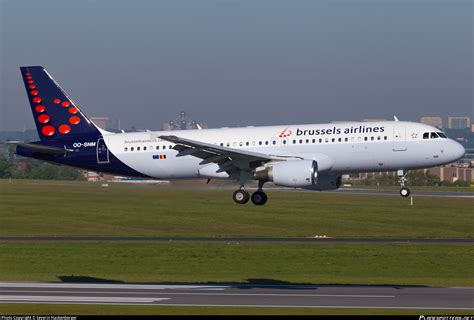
(291, 173)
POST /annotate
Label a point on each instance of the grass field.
(32, 208)
(275, 263)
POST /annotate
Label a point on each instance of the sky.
(242, 62)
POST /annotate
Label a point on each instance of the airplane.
(308, 156)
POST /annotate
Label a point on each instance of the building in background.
(459, 122)
(432, 121)
(106, 123)
(183, 122)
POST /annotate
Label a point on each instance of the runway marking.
(242, 306)
(210, 294)
(79, 299)
(111, 286)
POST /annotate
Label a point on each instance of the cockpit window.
(442, 135)
(434, 135)
(426, 135)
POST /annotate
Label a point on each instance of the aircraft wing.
(228, 159)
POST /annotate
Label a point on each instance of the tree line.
(35, 169)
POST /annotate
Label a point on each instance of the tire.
(259, 198)
(241, 196)
(404, 192)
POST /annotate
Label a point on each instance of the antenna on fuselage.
(395, 118)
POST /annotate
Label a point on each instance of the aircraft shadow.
(249, 284)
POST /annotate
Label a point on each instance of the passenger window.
(372, 138)
(366, 138)
(346, 139)
(274, 142)
(426, 135)
(247, 143)
(333, 139)
(241, 143)
(131, 149)
(260, 143)
(170, 147)
(266, 143)
(340, 139)
(378, 138)
(294, 141)
(228, 144)
(284, 141)
(126, 149)
(314, 140)
(157, 147)
(385, 137)
(326, 140)
(320, 140)
(144, 148)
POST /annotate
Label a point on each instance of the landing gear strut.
(404, 191)
(241, 196)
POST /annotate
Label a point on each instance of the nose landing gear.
(404, 191)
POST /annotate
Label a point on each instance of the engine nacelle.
(292, 173)
(327, 182)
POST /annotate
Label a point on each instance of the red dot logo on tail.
(64, 129)
(66, 104)
(48, 131)
(40, 108)
(74, 120)
(44, 118)
(37, 99)
(56, 101)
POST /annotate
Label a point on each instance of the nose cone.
(456, 150)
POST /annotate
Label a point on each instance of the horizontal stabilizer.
(40, 148)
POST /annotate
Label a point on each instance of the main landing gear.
(404, 191)
(259, 198)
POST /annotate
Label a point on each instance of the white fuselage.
(339, 147)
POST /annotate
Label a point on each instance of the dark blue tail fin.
(56, 115)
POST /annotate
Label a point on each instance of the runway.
(382, 192)
(312, 240)
(371, 297)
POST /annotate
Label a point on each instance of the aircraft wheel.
(404, 192)
(241, 196)
(259, 198)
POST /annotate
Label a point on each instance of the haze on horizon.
(242, 62)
